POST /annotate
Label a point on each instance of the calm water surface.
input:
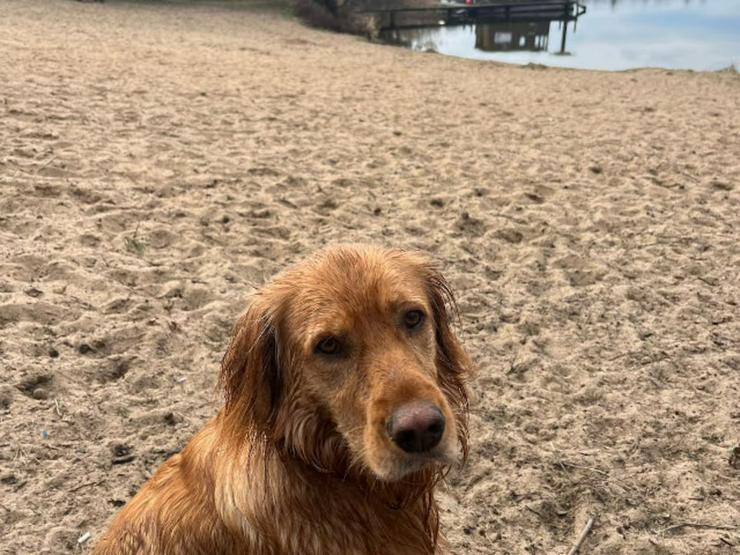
(612, 34)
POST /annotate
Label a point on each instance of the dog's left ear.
(251, 377)
(453, 363)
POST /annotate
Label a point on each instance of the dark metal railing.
(461, 14)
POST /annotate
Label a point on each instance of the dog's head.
(347, 360)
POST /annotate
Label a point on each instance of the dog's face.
(358, 364)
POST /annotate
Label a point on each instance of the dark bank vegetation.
(338, 16)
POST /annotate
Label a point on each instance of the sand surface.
(159, 161)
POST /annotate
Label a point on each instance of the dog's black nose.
(417, 427)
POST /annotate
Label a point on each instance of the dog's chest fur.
(281, 511)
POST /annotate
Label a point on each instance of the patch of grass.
(134, 244)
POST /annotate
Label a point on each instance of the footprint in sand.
(579, 271)
(37, 386)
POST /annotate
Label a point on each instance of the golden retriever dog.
(345, 404)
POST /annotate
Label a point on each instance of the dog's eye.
(413, 319)
(328, 346)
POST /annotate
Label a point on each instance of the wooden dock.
(484, 12)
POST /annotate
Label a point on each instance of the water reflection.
(608, 34)
(506, 37)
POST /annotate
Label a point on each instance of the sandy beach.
(158, 161)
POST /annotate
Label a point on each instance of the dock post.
(565, 32)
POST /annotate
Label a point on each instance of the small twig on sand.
(42, 166)
(86, 484)
(510, 218)
(56, 406)
(582, 537)
(698, 525)
(591, 468)
(694, 178)
(532, 510)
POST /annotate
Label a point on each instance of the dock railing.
(488, 11)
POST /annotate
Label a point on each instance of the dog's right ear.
(250, 376)
(453, 363)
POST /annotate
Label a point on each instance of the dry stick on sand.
(582, 537)
(591, 468)
(86, 484)
(42, 166)
(698, 525)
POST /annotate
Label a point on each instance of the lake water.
(611, 34)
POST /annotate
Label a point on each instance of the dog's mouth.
(419, 462)
(402, 466)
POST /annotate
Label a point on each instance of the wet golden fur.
(299, 460)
